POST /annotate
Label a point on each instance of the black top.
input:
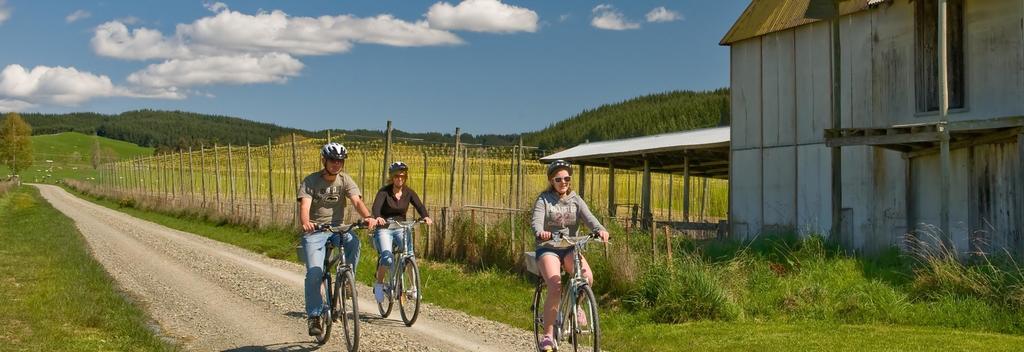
(386, 206)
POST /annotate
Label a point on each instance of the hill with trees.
(175, 130)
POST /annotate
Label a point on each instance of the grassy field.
(69, 155)
(55, 296)
(765, 320)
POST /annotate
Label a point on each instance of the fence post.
(654, 243)
(248, 178)
(202, 171)
(387, 156)
(216, 177)
(424, 186)
(512, 178)
(686, 187)
(191, 178)
(295, 176)
(270, 178)
(231, 178)
(480, 166)
(462, 195)
(519, 174)
(455, 158)
(181, 174)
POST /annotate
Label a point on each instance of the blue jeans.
(383, 240)
(314, 247)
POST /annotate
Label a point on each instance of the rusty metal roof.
(766, 16)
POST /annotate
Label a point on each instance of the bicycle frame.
(570, 288)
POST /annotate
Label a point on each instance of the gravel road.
(211, 296)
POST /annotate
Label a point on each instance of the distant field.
(69, 155)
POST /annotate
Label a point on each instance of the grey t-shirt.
(328, 199)
(553, 214)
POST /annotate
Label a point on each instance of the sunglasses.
(562, 179)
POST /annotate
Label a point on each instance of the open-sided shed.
(700, 153)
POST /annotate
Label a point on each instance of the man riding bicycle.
(321, 197)
(559, 210)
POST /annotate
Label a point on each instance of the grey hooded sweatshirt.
(553, 214)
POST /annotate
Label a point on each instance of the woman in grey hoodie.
(559, 210)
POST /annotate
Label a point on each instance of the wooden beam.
(883, 139)
(1003, 122)
(645, 197)
(990, 138)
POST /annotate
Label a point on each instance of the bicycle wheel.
(408, 291)
(326, 318)
(585, 328)
(349, 309)
(384, 307)
(538, 311)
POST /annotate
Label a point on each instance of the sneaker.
(581, 317)
(378, 292)
(314, 326)
(546, 345)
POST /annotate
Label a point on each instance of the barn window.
(927, 63)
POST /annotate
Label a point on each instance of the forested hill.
(173, 130)
(645, 115)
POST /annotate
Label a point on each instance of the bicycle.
(577, 296)
(408, 283)
(343, 292)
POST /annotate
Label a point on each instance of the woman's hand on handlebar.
(308, 227)
(427, 220)
(604, 235)
(544, 235)
(381, 221)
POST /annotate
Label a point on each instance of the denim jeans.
(383, 240)
(314, 247)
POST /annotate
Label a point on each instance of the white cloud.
(113, 39)
(238, 69)
(130, 20)
(231, 33)
(661, 14)
(607, 17)
(5, 11)
(563, 18)
(11, 105)
(216, 7)
(67, 86)
(77, 15)
(482, 16)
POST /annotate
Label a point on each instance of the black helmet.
(556, 165)
(397, 167)
(334, 151)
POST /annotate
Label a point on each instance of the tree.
(15, 143)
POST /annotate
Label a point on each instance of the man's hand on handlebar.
(370, 222)
(308, 227)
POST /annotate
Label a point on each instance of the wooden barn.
(849, 125)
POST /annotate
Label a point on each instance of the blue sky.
(483, 65)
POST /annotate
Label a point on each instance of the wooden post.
(645, 197)
(670, 196)
(611, 190)
(654, 243)
(512, 177)
(191, 178)
(837, 155)
(583, 181)
(944, 188)
(910, 202)
(703, 197)
(216, 177)
(423, 197)
(231, 178)
(451, 183)
(668, 245)
(686, 188)
(462, 191)
(387, 156)
(202, 171)
(270, 178)
(480, 190)
(295, 176)
(181, 175)
(248, 178)
(519, 174)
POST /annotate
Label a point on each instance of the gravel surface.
(207, 295)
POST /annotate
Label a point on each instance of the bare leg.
(549, 270)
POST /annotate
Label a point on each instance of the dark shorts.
(561, 253)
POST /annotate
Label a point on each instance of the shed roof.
(707, 150)
(767, 16)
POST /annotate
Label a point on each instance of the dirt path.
(212, 296)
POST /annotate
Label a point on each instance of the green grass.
(759, 321)
(54, 296)
(70, 154)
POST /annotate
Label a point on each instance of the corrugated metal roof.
(767, 16)
(693, 139)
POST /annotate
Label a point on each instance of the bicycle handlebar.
(571, 241)
(340, 228)
(393, 222)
